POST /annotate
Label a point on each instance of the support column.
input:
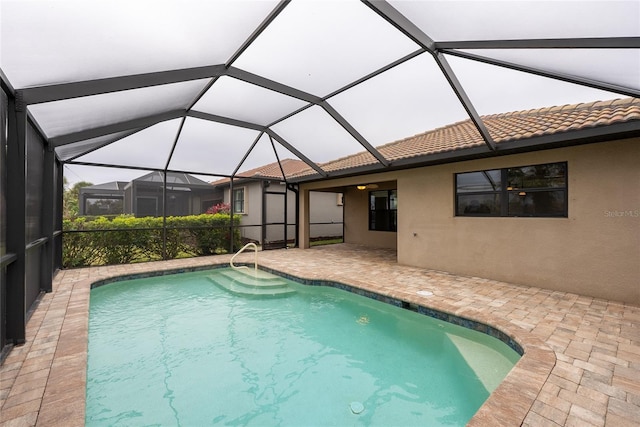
(59, 204)
(16, 212)
(47, 218)
(303, 225)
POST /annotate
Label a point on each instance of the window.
(536, 191)
(238, 201)
(383, 210)
(147, 206)
(104, 205)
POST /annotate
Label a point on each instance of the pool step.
(251, 283)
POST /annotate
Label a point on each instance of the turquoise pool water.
(188, 350)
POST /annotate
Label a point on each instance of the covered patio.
(581, 364)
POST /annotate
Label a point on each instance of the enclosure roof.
(114, 185)
(219, 87)
(172, 178)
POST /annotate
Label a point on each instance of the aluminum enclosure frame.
(15, 305)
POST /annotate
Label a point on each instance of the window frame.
(505, 191)
(392, 216)
(234, 200)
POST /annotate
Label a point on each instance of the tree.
(70, 198)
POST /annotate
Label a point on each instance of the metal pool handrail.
(255, 261)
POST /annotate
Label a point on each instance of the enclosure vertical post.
(16, 220)
(164, 214)
(59, 196)
(263, 227)
(303, 224)
(47, 218)
(297, 214)
(232, 212)
(286, 216)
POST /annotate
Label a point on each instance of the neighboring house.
(556, 206)
(186, 195)
(260, 197)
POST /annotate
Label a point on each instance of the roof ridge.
(617, 102)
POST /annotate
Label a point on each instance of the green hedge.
(126, 239)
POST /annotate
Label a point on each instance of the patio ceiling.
(218, 87)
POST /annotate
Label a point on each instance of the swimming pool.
(188, 350)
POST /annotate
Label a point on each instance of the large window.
(238, 201)
(104, 205)
(383, 210)
(147, 206)
(536, 191)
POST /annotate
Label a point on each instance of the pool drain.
(356, 407)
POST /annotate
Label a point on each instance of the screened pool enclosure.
(108, 91)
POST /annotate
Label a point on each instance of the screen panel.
(69, 151)
(73, 115)
(148, 148)
(3, 178)
(616, 66)
(78, 40)
(34, 186)
(317, 135)
(448, 20)
(320, 46)
(411, 98)
(500, 90)
(235, 99)
(210, 147)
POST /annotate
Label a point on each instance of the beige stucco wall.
(356, 209)
(595, 251)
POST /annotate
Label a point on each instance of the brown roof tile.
(503, 127)
(272, 170)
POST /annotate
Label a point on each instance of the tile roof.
(272, 170)
(503, 127)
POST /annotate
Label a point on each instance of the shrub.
(126, 239)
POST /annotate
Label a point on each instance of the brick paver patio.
(581, 365)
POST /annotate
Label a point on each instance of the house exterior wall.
(275, 212)
(594, 251)
(356, 209)
(251, 219)
(356, 219)
(325, 210)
